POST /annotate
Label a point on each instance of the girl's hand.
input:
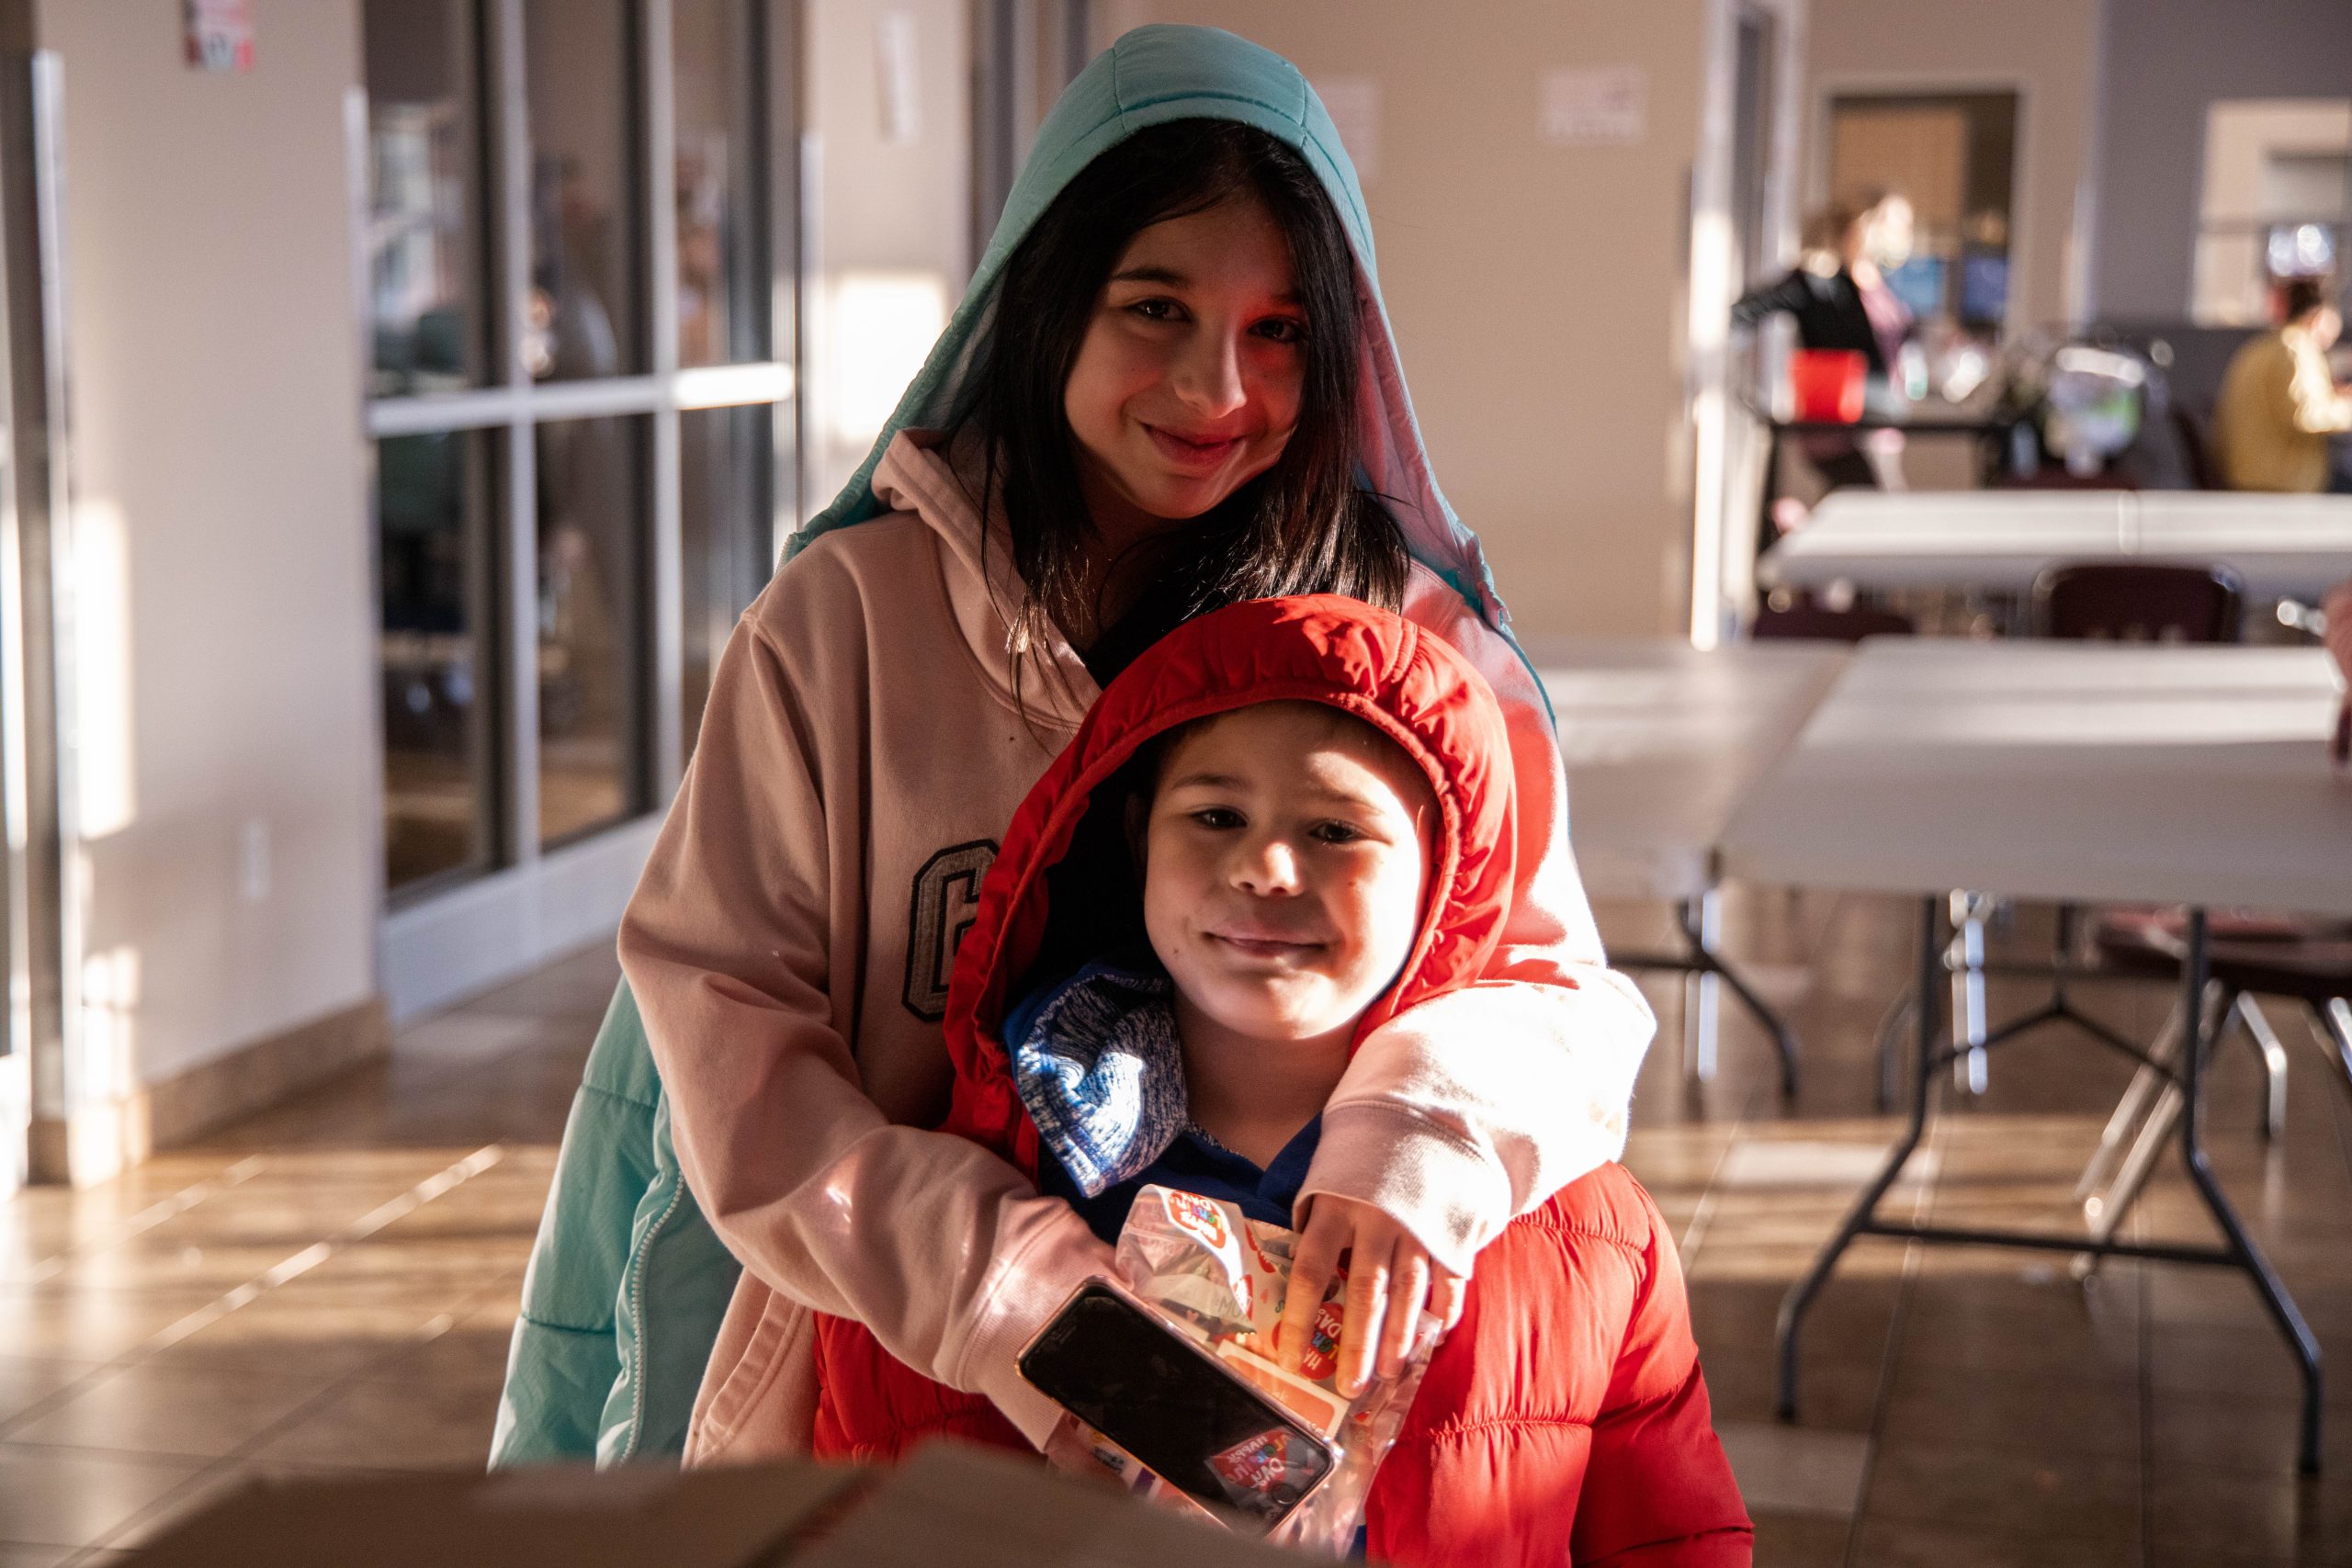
(1392, 1280)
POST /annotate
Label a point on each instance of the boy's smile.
(1284, 859)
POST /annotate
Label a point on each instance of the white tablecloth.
(2094, 772)
(1661, 740)
(2281, 546)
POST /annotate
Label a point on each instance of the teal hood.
(1151, 76)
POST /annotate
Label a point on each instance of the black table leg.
(2249, 1257)
(1864, 1214)
(1705, 960)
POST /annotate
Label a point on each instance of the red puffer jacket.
(1565, 1419)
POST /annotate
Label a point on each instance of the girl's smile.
(1194, 451)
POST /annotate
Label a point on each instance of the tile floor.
(330, 1287)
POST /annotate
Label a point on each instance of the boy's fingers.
(1406, 1297)
(1368, 1273)
(1312, 1267)
(1068, 1450)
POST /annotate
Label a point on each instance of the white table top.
(1661, 740)
(2281, 546)
(2098, 772)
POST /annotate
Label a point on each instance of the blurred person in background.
(2280, 401)
(1839, 295)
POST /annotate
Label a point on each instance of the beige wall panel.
(223, 573)
(1536, 289)
(2045, 50)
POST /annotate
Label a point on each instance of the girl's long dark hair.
(1303, 526)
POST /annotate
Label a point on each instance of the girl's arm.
(1789, 293)
(944, 1250)
(1476, 1106)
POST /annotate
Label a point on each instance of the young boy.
(1282, 824)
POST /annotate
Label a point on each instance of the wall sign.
(898, 78)
(1354, 104)
(220, 34)
(1606, 106)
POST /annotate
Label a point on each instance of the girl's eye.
(1336, 833)
(1282, 329)
(1218, 817)
(1156, 310)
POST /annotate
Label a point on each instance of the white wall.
(1537, 291)
(2045, 50)
(2166, 62)
(226, 649)
(893, 218)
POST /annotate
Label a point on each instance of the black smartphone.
(1117, 1366)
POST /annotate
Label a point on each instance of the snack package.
(1225, 1278)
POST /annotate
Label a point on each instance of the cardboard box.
(748, 1518)
(948, 1507)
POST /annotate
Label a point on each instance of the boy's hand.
(1068, 1450)
(1392, 1280)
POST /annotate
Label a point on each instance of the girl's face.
(1187, 383)
(1284, 859)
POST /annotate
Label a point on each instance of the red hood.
(1401, 678)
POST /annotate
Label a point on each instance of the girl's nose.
(1209, 379)
(1267, 867)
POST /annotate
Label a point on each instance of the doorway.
(1742, 224)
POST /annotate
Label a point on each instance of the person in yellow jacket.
(2279, 403)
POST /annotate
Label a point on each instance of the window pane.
(586, 315)
(726, 530)
(432, 565)
(720, 280)
(424, 194)
(592, 533)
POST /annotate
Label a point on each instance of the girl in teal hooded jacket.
(1170, 384)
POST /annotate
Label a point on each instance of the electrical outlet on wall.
(253, 859)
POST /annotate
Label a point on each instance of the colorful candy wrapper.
(1225, 1278)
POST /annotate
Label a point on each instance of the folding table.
(1988, 429)
(1661, 740)
(2073, 772)
(2281, 547)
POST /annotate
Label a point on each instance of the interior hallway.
(331, 1286)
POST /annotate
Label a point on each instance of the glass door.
(580, 232)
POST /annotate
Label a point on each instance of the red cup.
(1826, 384)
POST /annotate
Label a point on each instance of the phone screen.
(1168, 1401)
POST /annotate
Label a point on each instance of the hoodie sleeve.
(1474, 1107)
(730, 944)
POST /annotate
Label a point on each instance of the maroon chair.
(2139, 602)
(2059, 479)
(1818, 622)
(2309, 961)
(2247, 955)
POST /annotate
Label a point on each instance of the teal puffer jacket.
(618, 1320)
(627, 1281)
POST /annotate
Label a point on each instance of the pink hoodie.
(791, 942)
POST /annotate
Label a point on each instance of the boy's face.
(1284, 859)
